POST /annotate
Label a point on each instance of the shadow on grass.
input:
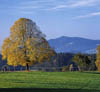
(45, 90)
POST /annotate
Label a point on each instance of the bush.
(65, 68)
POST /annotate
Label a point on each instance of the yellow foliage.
(21, 48)
(98, 58)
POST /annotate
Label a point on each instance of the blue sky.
(75, 18)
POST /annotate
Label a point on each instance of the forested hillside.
(74, 45)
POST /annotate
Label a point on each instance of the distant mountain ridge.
(74, 44)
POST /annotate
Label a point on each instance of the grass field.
(57, 81)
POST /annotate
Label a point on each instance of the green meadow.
(56, 81)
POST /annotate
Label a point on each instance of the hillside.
(74, 44)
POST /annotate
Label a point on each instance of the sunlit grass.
(68, 80)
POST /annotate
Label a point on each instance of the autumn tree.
(71, 68)
(82, 61)
(98, 58)
(65, 68)
(26, 45)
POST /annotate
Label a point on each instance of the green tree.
(82, 61)
(26, 45)
(98, 58)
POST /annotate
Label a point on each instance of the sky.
(55, 18)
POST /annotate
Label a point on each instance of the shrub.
(65, 68)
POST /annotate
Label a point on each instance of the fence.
(48, 69)
(32, 68)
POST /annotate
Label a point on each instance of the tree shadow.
(45, 90)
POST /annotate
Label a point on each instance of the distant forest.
(60, 60)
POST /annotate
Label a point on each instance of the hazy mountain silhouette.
(74, 44)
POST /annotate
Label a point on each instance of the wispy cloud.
(82, 3)
(58, 7)
(75, 4)
(27, 6)
(88, 15)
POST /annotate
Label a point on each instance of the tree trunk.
(79, 68)
(14, 68)
(27, 67)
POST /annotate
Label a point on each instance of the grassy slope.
(67, 80)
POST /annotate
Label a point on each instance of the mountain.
(74, 44)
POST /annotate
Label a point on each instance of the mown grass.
(56, 81)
